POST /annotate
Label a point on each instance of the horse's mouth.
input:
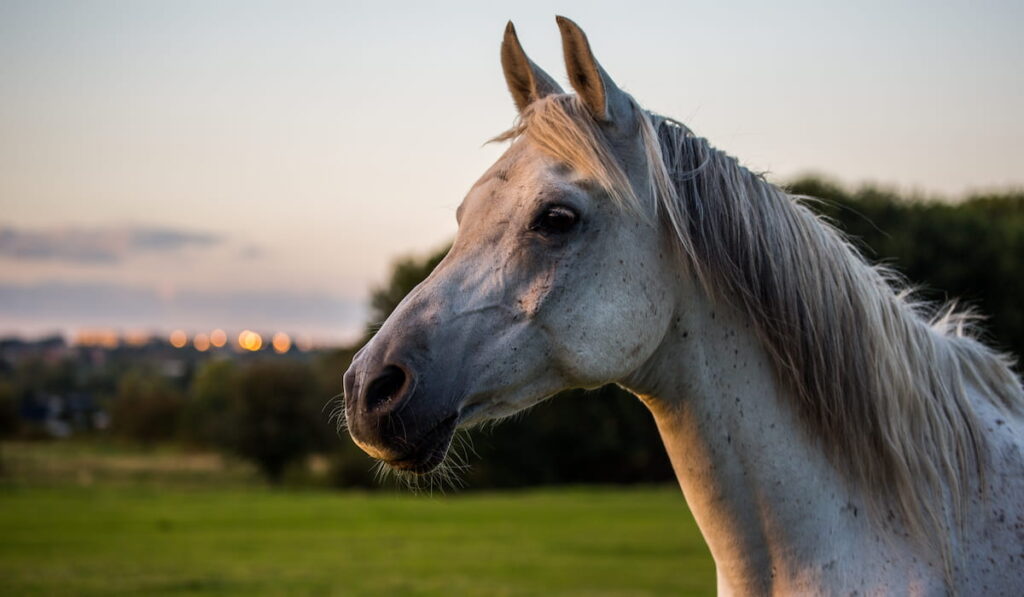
(429, 450)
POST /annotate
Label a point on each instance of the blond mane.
(881, 383)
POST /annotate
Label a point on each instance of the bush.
(275, 418)
(9, 420)
(145, 409)
(206, 420)
(351, 467)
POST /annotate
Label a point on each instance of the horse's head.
(558, 278)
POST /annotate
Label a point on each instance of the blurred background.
(206, 207)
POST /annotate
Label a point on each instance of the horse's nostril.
(386, 387)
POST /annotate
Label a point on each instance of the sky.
(200, 164)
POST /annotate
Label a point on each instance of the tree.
(145, 409)
(275, 418)
(406, 274)
(9, 422)
(971, 250)
(206, 418)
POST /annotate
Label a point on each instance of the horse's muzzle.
(391, 417)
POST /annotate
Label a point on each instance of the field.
(154, 537)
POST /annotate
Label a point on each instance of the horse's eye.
(555, 219)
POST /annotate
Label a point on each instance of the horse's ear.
(602, 97)
(527, 82)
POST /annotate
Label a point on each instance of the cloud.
(97, 245)
(252, 252)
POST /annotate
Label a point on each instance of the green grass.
(93, 518)
(115, 464)
(105, 541)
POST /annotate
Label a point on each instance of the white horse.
(828, 437)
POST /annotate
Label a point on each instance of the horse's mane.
(878, 380)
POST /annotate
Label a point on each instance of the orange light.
(281, 343)
(101, 337)
(218, 338)
(250, 340)
(109, 339)
(201, 342)
(136, 338)
(179, 339)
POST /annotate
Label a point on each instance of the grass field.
(152, 539)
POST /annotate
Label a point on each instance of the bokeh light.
(100, 337)
(218, 338)
(136, 338)
(201, 342)
(250, 340)
(281, 342)
(179, 339)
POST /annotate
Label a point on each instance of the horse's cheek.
(598, 333)
(534, 294)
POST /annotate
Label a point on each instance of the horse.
(830, 433)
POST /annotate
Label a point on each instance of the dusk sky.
(247, 164)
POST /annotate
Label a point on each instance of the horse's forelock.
(561, 127)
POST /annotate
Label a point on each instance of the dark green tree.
(405, 275)
(206, 417)
(9, 422)
(970, 250)
(146, 408)
(275, 415)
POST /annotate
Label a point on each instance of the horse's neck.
(776, 515)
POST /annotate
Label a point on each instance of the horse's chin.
(419, 465)
(430, 450)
